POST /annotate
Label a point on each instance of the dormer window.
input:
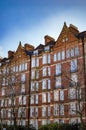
(35, 52)
(47, 48)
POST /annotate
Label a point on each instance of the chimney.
(10, 53)
(74, 29)
(48, 39)
(28, 47)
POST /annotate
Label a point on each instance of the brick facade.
(45, 83)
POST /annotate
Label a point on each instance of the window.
(47, 48)
(9, 101)
(44, 59)
(44, 84)
(3, 81)
(59, 56)
(73, 121)
(49, 110)
(68, 53)
(61, 121)
(76, 51)
(22, 66)
(56, 120)
(2, 102)
(32, 99)
(44, 122)
(33, 74)
(3, 91)
(32, 122)
(44, 71)
(36, 100)
(36, 111)
(20, 100)
(61, 94)
(32, 86)
(72, 93)
(43, 111)
(56, 95)
(24, 100)
(72, 108)
(58, 82)
(58, 69)
(37, 74)
(31, 111)
(37, 62)
(61, 109)
(22, 112)
(37, 86)
(35, 52)
(49, 84)
(25, 66)
(56, 109)
(9, 112)
(13, 79)
(48, 71)
(49, 58)
(74, 79)
(74, 65)
(48, 96)
(33, 62)
(43, 97)
(23, 77)
(55, 57)
(19, 68)
(72, 52)
(63, 55)
(16, 68)
(22, 88)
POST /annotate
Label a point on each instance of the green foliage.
(55, 126)
(11, 127)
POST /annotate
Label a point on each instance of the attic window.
(65, 38)
(35, 52)
(47, 48)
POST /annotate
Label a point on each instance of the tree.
(76, 89)
(10, 82)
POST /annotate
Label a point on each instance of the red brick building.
(48, 83)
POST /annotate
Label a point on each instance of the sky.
(29, 21)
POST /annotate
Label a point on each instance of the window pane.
(59, 56)
(74, 65)
(58, 69)
(63, 55)
(55, 57)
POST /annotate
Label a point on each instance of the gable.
(67, 35)
(20, 53)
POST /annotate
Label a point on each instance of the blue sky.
(29, 21)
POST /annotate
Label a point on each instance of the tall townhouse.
(46, 84)
(14, 86)
(58, 79)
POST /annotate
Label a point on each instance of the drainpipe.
(83, 46)
(29, 92)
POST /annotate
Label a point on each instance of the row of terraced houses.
(45, 84)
